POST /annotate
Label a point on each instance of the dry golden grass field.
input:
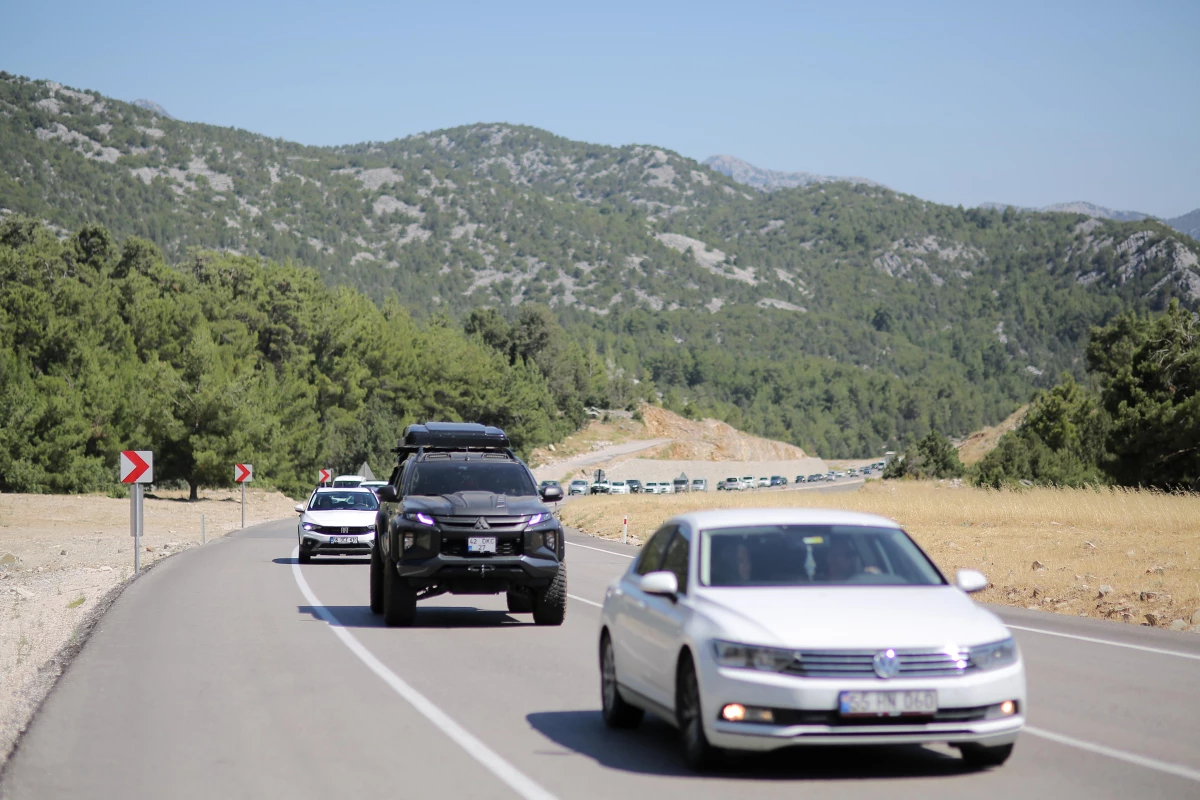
(1115, 554)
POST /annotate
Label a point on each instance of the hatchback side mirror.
(387, 494)
(970, 580)
(552, 494)
(299, 508)
(662, 583)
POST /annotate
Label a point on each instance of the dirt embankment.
(979, 444)
(1126, 555)
(61, 556)
(711, 440)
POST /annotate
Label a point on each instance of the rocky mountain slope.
(770, 180)
(838, 316)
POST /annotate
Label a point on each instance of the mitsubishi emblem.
(481, 524)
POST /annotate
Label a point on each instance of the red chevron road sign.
(243, 473)
(137, 466)
(324, 476)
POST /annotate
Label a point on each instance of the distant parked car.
(699, 485)
(764, 482)
(348, 481)
(635, 486)
(600, 487)
(748, 482)
(852, 472)
(730, 485)
(618, 487)
(578, 486)
(816, 477)
(800, 479)
(374, 486)
(778, 480)
(680, 485)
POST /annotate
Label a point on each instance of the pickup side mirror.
(299, 508)
(551, 494)
(970, 580)
(387, 494)
(662, 583)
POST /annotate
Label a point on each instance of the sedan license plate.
(343, 540)
(919, 702)
(481, 544)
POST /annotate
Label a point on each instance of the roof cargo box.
(453, 436)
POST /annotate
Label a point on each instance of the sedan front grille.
(336, 530)
(861, 663)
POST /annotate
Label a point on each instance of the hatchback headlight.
(995, 655)
(748, 656)
(308, 526)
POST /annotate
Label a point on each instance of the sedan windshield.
(448, 477)
(808, 555)
(344, 501)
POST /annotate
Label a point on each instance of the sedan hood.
(342, 518)
(850, 617)
(465, 504)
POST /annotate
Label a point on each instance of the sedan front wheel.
(697, 752)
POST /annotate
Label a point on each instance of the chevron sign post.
(243, 474)
(137, 468)
(324, 476)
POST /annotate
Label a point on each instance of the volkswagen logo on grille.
(481, 524)
(886, 663)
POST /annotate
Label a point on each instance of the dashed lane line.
(601, 550)
(516, 780)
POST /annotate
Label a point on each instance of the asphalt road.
(229, 671)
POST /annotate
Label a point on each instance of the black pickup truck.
(461, 514)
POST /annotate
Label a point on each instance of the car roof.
(742, 517)
(342, 489)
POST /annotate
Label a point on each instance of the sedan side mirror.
(552, 494)
(387, 494)
(970, 580)
(662, 583)
(299, 508)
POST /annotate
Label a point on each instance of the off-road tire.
(617, 713)
(376, 580)
(697, 752)
(550, 604)
(981, 756)
(519, 602)
(399, 599)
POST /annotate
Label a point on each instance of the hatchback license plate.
(481, 544)
(919, 702)
(343, 540)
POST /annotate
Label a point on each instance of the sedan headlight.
(995, 655)
(748, 656)
(308, 526)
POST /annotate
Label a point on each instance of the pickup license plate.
(343, 540)
(481, 544)
(918, 702)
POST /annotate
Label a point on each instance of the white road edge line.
(1108, 642)
(516, 780)
(601, 550)
(1120, 755)
(585, 600)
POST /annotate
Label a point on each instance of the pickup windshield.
(449, 477)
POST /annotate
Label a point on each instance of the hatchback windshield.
(448, 477)
(805, 555)
(344, 501)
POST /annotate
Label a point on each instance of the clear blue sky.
(958, 102)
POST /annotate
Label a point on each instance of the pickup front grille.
(505, 546)
(495, 524)
(861, 664)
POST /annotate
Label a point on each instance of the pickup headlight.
(995, 655)
(420, 517)
(748, 656)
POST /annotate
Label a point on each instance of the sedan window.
(652, 552)
(676, 560)
(800, 555)
(344, 501)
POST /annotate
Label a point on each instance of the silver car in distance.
(760, 629)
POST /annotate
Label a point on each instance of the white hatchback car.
(337, 522)
(760, 629)
(618, 487)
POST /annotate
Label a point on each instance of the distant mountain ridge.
(769, 180)
(152, 107)
(1076, 207)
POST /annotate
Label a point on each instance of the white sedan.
(337, 522)
(761, 629)
(618, 487)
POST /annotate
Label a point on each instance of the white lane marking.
(585, 600)
(600, 550)
(518, 781)
(1120, 755)
(1109, 642)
